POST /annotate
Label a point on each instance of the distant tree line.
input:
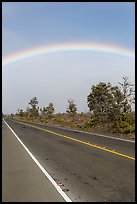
(34, 111)
(107, 104)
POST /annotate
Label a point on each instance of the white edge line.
(66, 198)
(107, 136)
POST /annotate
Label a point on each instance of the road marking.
(80, 141)
(89, 133)
(66, 198)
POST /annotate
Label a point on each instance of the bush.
(88, 125)
(75, 125)
(124, 123)
(124, 127)
(59, 120)
(42, 120)
(46, 121)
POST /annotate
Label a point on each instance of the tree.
(49, 110)
(33, 102)
(129, 96)
(104, 101)
(71, 109)
(111, 105)
(21, 112)
(33, 109)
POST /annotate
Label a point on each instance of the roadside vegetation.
(110, 111)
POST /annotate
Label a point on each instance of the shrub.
(124, 123)
(46, 121)
(124, 127)
(42, 120)
(88, 125)
(60, 120)
(75, 125)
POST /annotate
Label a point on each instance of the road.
(90, 168)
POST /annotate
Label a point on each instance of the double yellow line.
(80, 141)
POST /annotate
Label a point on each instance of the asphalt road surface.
(89, 168)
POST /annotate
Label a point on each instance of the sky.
(59, 76)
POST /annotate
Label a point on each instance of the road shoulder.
(22, 180)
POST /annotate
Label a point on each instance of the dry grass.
(79, 122)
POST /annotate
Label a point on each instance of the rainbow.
(67, 47)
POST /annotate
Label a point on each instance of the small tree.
(105, 101)
(71, 109)
(49, 110)
(128, 93)
(33, 110)
(21, 112)
(33, 102)
(100, 100)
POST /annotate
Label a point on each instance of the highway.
(88, 167)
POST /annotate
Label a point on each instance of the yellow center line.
(80, 141)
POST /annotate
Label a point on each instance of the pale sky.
(67, 75)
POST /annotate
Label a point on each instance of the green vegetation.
(109, 110)
(112, 105)
(33, 110)
(48, 111)
(124, 123)
(60, 119)
(71, 109)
